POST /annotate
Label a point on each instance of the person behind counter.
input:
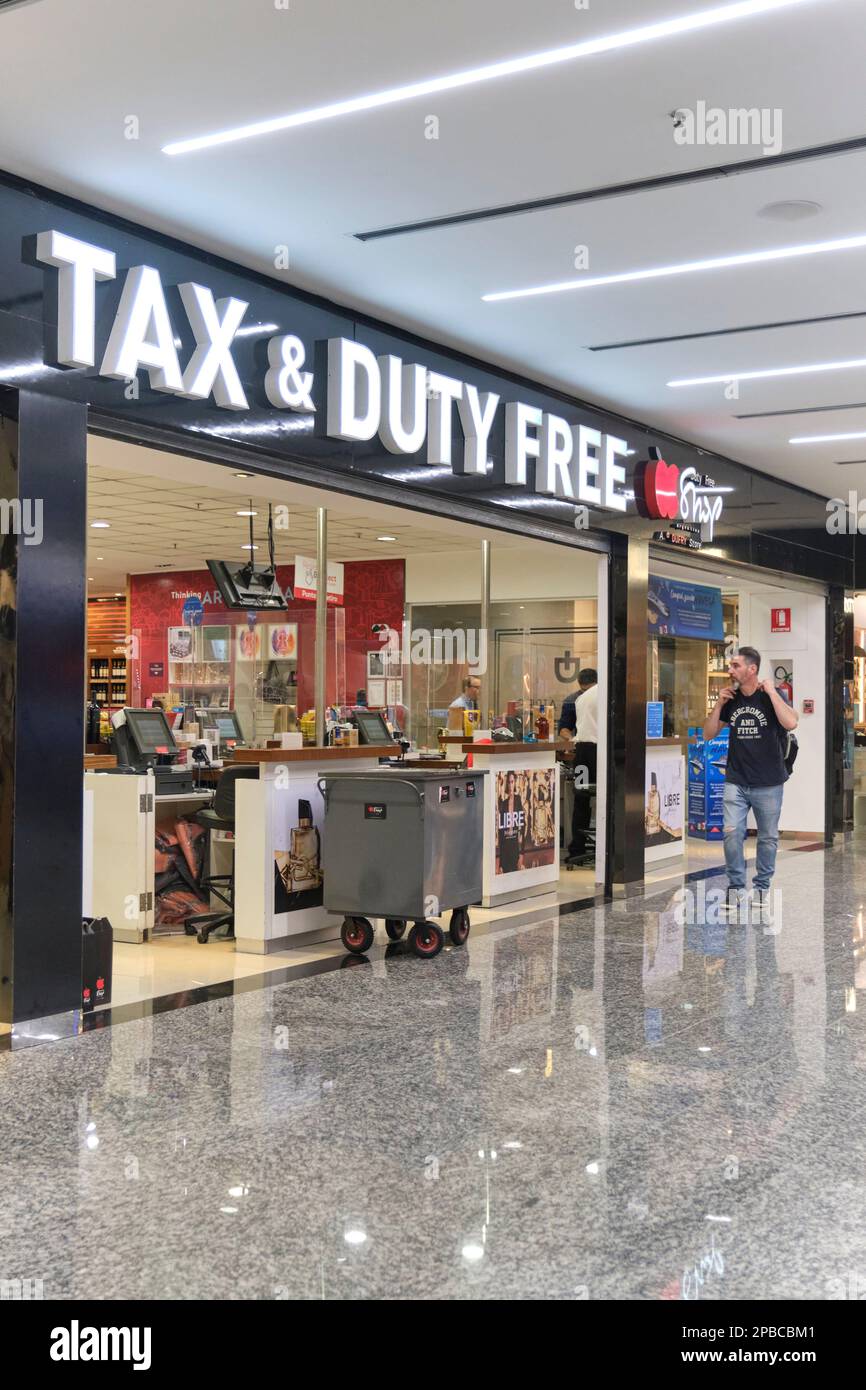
(579, 722)
(468, 699)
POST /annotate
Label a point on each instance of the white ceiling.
(166, 511)
(73, 75)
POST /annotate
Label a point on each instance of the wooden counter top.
(94, 762)
(503, 747)
(313, 755)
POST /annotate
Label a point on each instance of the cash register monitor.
(150, 735)
(372, 727)
(227, 727)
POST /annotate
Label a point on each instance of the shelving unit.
(207, 678)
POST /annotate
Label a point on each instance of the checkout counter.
(277, 842)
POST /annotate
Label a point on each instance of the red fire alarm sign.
(780, 620)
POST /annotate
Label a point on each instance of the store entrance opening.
(419, 666)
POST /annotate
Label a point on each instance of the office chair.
(220, 815)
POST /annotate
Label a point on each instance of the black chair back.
(224, 797)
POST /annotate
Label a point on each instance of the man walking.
(755, 778)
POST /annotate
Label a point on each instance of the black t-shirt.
(756, 743)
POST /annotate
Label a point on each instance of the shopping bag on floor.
(97, 947)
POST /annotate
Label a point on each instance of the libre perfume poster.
(298, 879)
(663, 810)
(525, 819)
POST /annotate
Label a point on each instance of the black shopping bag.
(97, 943)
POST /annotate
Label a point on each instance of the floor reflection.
(641, 1100)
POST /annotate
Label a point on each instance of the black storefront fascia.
(46, 412)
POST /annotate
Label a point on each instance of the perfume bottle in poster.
(298, 872)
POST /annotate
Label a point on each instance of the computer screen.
(150, 732)
(227, 726)
(372, 727)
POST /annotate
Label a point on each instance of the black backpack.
(790, 749)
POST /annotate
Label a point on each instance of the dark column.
(43, 472)
(626, 792)
(838, 741)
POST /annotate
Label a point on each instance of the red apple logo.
(100, 984)
(657, 487)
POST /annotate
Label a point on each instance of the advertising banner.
(707, 766)
(307, 579)
(525, 819)
(675, 609)
(663, 813)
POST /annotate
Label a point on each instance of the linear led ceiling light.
(780, 253)
(825, 438)
(510, 67)
(770, 371)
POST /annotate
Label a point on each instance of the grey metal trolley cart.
(400, 844)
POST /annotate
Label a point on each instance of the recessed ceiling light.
(100, 525)
(386, 538)
(99, 557)
(791, 210)
(658, 272)
(90, 579)
(246, 512)
(825, 438)
(848, 365)
(509, 67)
(249, 547)
(244, 475)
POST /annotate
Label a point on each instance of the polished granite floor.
(634, 1101)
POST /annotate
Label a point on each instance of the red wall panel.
(374, 592)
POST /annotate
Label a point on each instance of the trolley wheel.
(458, 927)
(395, 928)
(188, 930)
(202, 936)
(357, 934)
(426, 939)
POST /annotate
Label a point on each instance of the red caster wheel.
(426, 939)
(356, 935)
(395, 928)
(458, 927)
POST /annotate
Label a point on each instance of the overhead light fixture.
(825, 438)
(509, 67)
(770, 371)
(244, 475)
(658, 272)
(246, 512)
(100, 525)
(249, 547)
(386, 538)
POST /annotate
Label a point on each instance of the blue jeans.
(766, 802)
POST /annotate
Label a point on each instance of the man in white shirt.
(585, 730)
